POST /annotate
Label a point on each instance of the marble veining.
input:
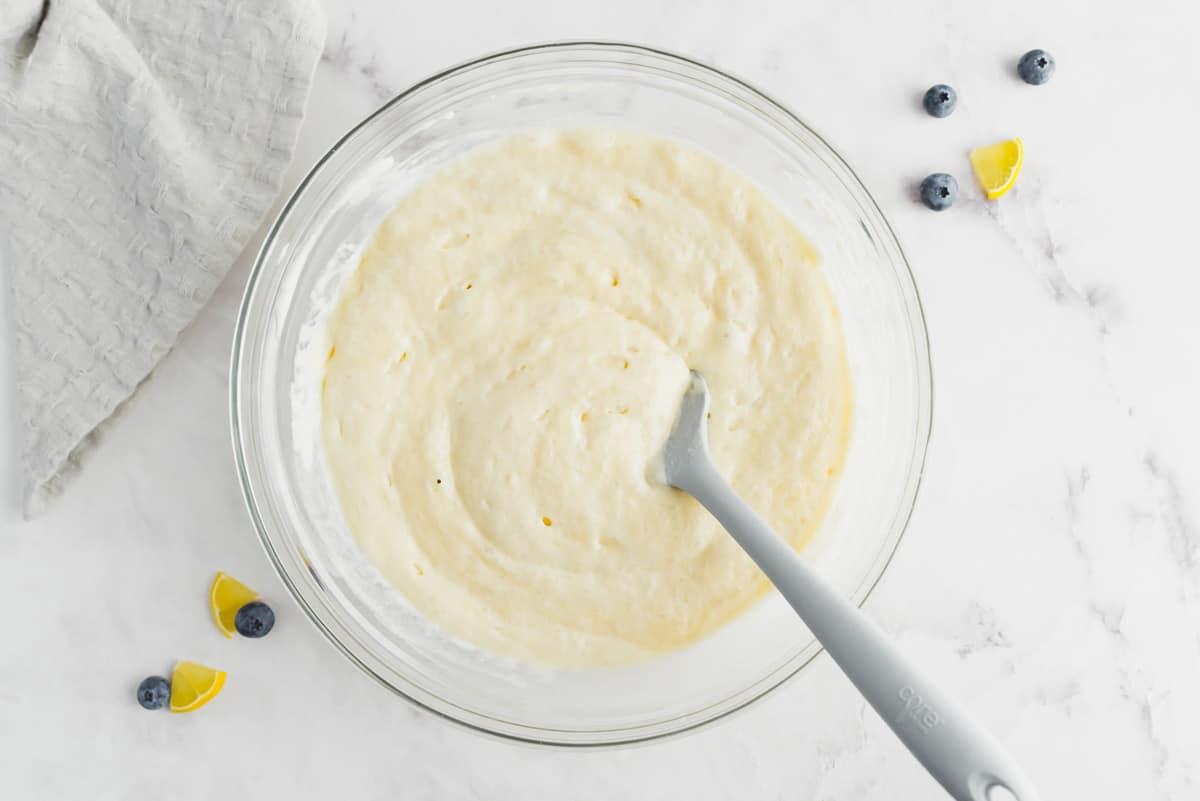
(1050, 575)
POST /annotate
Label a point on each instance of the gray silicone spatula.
(956, 750)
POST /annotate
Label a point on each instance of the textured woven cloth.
(141, 144)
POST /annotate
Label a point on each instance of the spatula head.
(687, 445)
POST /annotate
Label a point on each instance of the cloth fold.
(141, 145)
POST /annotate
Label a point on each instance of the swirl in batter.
(507, 362)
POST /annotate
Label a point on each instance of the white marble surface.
(1051, 574)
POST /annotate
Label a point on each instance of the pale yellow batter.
(507, 362)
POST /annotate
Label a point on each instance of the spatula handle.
(957, 751)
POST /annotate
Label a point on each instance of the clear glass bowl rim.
(882, 232)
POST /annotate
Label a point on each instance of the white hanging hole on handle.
(998, 792)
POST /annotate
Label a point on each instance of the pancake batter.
(505, 366)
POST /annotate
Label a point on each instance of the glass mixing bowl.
(317, 241)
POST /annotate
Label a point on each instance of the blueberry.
(1036, 67)
(255, 619)
(938, 191)
(940, 100)
(154, 692)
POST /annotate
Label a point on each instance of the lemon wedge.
(225, 597)
(193, 686)
(997, 166)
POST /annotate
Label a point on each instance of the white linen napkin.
(141, 144)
